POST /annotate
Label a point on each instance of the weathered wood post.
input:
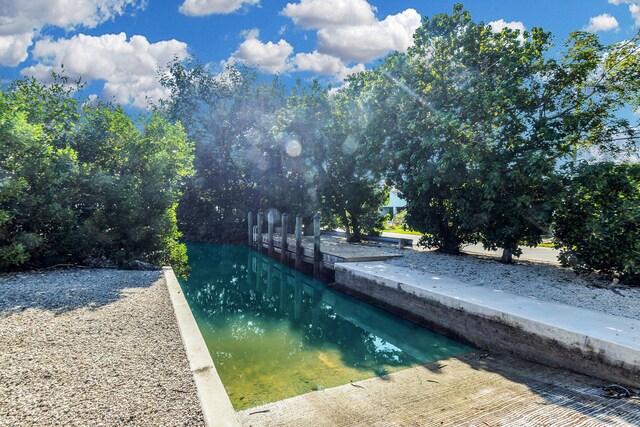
(270, 221)
(250, 228)
(316, 245)
(260, 221)
(284, 246)
(299, 248)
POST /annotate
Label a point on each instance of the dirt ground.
(470, 390)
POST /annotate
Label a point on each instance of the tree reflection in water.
(274, 332)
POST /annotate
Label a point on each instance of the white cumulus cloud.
(364, 43)
(213, 7)
(22, 20)
(14, 48)
(129, 68)
(634, 8)
(269, 56)
(501, 24)
(325, 65)
(604, 22)
(325, 13)
(635, 12)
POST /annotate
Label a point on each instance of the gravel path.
(92, 347)
(528, 278)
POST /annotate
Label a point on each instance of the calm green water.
(275, 333)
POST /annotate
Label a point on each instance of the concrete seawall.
(583, 341)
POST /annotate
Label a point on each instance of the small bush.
(399, 221)
(597, 223)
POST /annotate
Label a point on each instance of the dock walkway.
(333, 249)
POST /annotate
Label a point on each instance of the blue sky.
(117, 46)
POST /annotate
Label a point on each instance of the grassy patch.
(401, 231)
(546, 245)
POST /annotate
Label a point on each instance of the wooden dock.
(333, 249)
(321, 251)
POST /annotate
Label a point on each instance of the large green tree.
(242, 164)
(86, 182)
(344, 180)
(476, 123)
(597, 225)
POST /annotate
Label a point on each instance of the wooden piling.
(259, 225)
(316, 245)
(270, 223)
(299, 249)
(284, 254)
(250, 229)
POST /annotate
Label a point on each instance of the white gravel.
(544, 281)
(92, 347)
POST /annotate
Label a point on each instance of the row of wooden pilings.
(255, 238)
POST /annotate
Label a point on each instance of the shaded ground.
(472, 390)
(92, 347)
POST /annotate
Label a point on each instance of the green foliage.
(475, 123)
(241, 162)
(256, 149)
(336, 158)
(86, 183)
(597, 222)
(399, 221)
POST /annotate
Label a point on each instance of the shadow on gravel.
(61, 291)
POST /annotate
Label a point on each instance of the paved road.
(533, 254)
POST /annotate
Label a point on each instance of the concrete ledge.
(558, 335)
(216, 406)
(404, 241)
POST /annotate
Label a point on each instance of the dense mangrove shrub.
(597, 224)
(79, 183)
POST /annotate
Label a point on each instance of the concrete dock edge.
(216, 406)
(582, 341)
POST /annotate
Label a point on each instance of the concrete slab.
(215, 403)
(470, 390)
(560, 335)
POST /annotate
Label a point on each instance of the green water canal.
(275, 333)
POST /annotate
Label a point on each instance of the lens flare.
(293, 147)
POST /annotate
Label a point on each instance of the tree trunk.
(507, 256)
(355, 227)
(449, 248)
(347, 228)
(450, 244)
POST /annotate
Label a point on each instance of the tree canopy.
(86, 182)
(481, 131)
(476, 124)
